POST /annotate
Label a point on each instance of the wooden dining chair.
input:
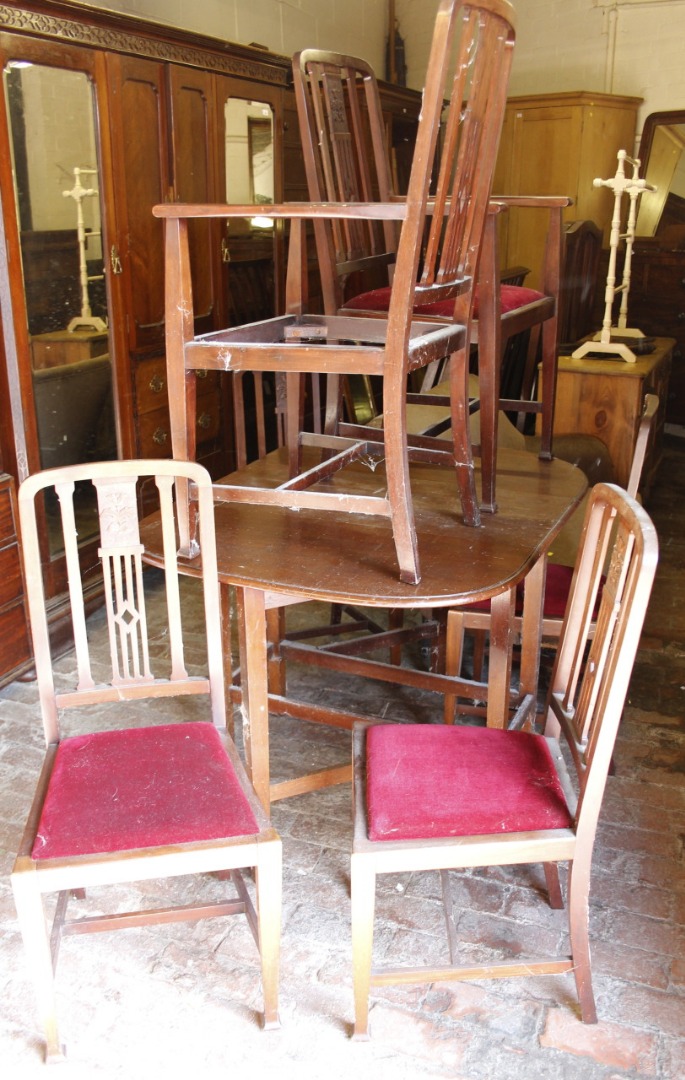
(583, 251)
(118, 804)
(432, 797)
(558, 577)
(346, 159)
(440, 229)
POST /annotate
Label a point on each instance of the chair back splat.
(120, 798)
(438, 253)
(436, 797)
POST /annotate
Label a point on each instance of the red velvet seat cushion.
(138, 788)
(430, 781)
(512, 297)
(481, 606)
(557, 589)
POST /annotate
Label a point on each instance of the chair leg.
(448, 905)
(556, 900)
(395, 622)
(461, 438)
(490, 348)
(397, 474)
(479, 643)
(454, 648)
(275, 632)
(549, 381)
(363, 893)
(578, 916)
(31, 916)
(227, 649)
(269, 885)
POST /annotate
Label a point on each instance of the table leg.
(255, 691)
(531, 638)
(501, 645)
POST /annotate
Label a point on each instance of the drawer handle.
(157, 384)
(204, 420)
(160, 436)
(202, 373)
(681, 316)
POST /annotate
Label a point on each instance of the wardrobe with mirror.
(103, 116)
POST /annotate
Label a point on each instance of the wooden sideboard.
(604, 397)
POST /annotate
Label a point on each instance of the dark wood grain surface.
(351, 557)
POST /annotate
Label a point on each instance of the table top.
(351, 557)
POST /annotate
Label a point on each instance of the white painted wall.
(630, 47)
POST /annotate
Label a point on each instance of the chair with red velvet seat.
(119, 804)
(346, 159)
(476, 618)
(434, 797)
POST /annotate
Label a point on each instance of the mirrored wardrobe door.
(51, 122)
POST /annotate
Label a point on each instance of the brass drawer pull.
(160, 436)
(157, 384)
(202, 373)
(204, 420)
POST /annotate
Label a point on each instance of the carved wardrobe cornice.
(98, 29)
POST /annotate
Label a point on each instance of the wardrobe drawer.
(16, 648)
(11, 583)
(8, 529)
(154, 428)
(151, 384)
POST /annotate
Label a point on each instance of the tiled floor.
(185, 1000)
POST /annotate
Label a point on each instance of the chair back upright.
(433, 265)
(345, 156)
(589, 687)
(583, 250)
(346, 159)
(133, 658)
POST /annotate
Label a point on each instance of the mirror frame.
(652, 122)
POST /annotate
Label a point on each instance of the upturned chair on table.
(140, 801)
(346, 160)
(442, 231)
(434, 797)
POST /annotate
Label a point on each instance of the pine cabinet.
(556, 144)
(604, 397)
